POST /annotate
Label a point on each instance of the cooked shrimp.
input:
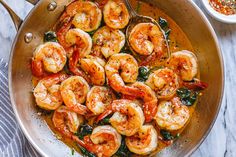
(74, 91)
(98, 99)
(128, 116)
(184, 63)
(122, 68)
(94, 70)
(146, 38)
(47, 92)
(144, 141)
(149, 100)
(108, 41)
(80, 40)
(83, 14)
(164, 82)
(66, 122)
(172, 115)
(104, 141)
(48, 57)
(116, 14)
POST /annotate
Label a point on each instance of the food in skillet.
(104, 98)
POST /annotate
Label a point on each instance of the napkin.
(12, 141)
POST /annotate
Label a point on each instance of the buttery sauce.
(177, 41)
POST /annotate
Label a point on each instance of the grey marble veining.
(221, 142)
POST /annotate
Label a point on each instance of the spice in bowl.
(226, 7)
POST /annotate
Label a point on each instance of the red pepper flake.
(227, 7)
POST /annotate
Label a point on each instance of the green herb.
(143, 73)
(72, 151)
(167, 135)
(92, 32)
(105, 121)
(165, 27)
(138, 7)
(188, 97)
(50, 36)
(84, 130)
(123, 151)
(85, 152)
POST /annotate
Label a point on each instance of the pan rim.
(219, 52)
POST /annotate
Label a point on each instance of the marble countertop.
(222, 139)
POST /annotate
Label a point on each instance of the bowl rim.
(230, 19)
(40, 151)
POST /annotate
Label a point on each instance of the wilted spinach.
(143, 73)
(188, 97)
(85, 152)
(123, 151)
(84, 130)
(50, 36)
(164, 26)
(167, 135)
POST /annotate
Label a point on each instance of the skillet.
(45, 14)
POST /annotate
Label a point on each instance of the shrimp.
(184, 63)
(116, 14)
(80, 40)
(104, 141)
(94, 69)
(172, 115)
(84, 15)
(74, 91)
(47, 92)
(165, 82)
(48, 57)
(146, 38)
(98, 99)
(108, 41)
(150, 101)
(128, 66)
(144, 141)
(128, 116)
(66, 122)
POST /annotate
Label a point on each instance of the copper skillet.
(43, 16)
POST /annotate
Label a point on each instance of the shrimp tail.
(73, 66)
(61, 33)
(154, 56)
(199, 85)
(103, 115)
(37, 68)
(150, 110)
(80, 109)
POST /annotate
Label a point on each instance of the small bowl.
(231, 19)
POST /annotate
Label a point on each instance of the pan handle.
(15, 18)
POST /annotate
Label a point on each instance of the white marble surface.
(222, 138)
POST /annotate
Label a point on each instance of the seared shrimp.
(164, 82)
(94, 70)
(66, 122)
(172, 115)
(108, 41)
(144, 141)
(104, 141)
(50, 57)
(47, 92)
(80, 40)
(184, 63)
(98, 99)
(74, 91)
(122, 68)
(128, 116)
(116, 14)
(146, 38)
(84, 15)
(149, 100)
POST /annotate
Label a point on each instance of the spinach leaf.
(84, 130)
(105, 121)
(123, 151)
(85, 152)
(164, 26)
(143, 73)
(167, 135)
(188, 97)
(50, 36)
